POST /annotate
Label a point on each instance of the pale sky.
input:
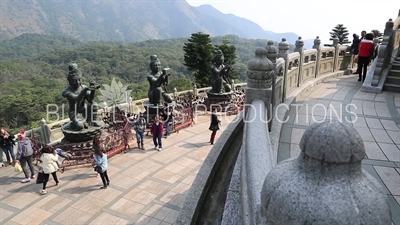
(310, 18)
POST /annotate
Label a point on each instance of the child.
(101, 161)
(49, 160)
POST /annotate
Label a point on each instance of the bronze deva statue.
(158, 91)
(220, 72)
(81, 117)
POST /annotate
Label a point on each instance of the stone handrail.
(292, 71)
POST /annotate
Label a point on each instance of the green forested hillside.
(35, 74)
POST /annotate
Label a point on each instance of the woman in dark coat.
(214, 126)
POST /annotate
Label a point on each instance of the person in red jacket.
(365, 53)
(157, 130)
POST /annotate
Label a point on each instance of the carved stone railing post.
(284, 53)
(256, 160)
(45, 131)
(336, 45)
(195, 90)
(272, 53)
(388, 28)
(384, 53)
(317, 45)
(326, 183)
(299, 48)
(259, 80)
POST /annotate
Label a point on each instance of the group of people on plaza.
(161, 122)
(364, 50)
(49, 161)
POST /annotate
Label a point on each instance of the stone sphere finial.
(283, 46)
(326, 183)
(272, 51)
(332, 142)
(299, 43)
(317, 43)
(260, 70)
(390, 23)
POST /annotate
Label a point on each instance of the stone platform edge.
(196, 193)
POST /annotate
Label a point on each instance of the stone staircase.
(392, 82)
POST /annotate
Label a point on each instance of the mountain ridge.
(126, 21)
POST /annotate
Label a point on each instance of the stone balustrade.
(291, 72)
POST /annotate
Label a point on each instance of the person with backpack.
(167, 119)
(140, 127)
(366, 51)
(25, 156)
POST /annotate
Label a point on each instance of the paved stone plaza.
(149, 187)
(375, 116)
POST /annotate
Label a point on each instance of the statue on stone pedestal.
(158, 81)
(220, 72)
(81, 117)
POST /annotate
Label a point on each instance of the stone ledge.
(201, 183)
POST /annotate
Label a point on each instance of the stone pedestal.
(80, 136)
(219, 100)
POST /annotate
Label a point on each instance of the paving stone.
(373, 123)
(390, 125)
(373, 151)
(381, 136)
(391, 151)
(390, 177)
(394, 135)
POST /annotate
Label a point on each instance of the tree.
(198, 56)
(340, 32)
(229, 55)
(377, 33)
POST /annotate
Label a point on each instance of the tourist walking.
(167, 119)
(49, 160)
(140, 128)
(365, 54)
(101, 161)
(354, 48)
(157, 130)
(214, 126)
(363, 33)
(7, 145)
(25, 156)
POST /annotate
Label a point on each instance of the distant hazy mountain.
(121, 20)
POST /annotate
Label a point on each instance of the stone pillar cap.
(333, 142)
(260, 62)
(283, 45)
(271, 47)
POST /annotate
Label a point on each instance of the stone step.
(392, 80)
(392, 87)
(394, 73)
(395, 66)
